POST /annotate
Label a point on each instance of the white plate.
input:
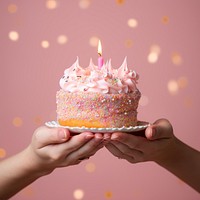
(140, 126)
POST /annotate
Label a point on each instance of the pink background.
(162, 45)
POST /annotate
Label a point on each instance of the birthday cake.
(99, 97)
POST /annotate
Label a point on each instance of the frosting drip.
(105, 80)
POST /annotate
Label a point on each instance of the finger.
(114, 150)
(85, 151)
(133, 158)
(44, 136)
(161, 129)
(90, 147)
(75, 143)
(58, 152)
(132, 141)
(106, 137)
(126, 150)
(132, 155)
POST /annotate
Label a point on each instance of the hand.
(49, 149)
(52, 148)
(158, 139)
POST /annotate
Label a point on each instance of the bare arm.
(15, 175)
(161, 146)
(184, 162)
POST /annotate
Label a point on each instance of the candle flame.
(99, 48)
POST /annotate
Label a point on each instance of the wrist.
(33, 164)
(170, 152)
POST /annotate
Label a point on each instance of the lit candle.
(100, 59)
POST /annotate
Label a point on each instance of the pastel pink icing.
(105, 80)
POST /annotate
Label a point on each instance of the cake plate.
(140, 126)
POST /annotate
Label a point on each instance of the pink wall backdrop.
(39, 39)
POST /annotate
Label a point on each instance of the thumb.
(160, 129)
(44, 136)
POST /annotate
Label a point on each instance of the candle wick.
(100, 54)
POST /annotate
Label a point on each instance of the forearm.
(15, 174)
(184, 162)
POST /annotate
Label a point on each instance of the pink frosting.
(102, 80)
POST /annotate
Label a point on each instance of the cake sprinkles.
(98, 97)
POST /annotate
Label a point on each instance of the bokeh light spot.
(128, 43)
(180, 182)
(94, 41)
(120, 2)
(78, 194)
(90, 167)
(62, 39)
(83, 4)
(108, 195)
(182, 82)
(132, 23)
(17, 122)
(28, 191)
(152, 57)
(51, 4)
(176, 59)
(154, 53)
(173, 87)
(13, 35)
(155, 49)
(38, 120)
(143, 100)
(188, 102)
(12, 8)
(2, 153)
(165, 19)
(45, 44)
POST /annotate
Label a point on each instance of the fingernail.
(98, 138)
(114, 137)
(89, 136)
(149, 132)
(62, 134)
(107, 137)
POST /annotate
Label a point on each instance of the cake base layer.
(97, 110)
(80, 123)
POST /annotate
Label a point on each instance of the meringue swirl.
(105, 80)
